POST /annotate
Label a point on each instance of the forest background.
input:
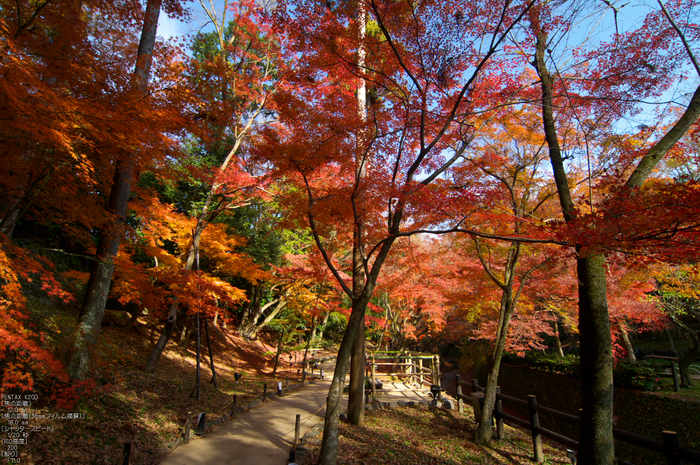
(422, 172)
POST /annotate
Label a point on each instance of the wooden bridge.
(403, 375)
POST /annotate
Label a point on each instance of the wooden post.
(437, 370)
(287, 384)
(198, 364)
(374, 382)
(475, 385)
(535, 429)
(499, 418)
(126, 454)
(676, 379)
(409, 369)
(264, 392)
(460, 402)
(186, 438)
(671, 444)
(211, 355)
(420, 371)
(297, 429)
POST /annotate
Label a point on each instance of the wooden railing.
(670, 446)
(420, 369)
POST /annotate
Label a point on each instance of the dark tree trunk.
(211, 356)
(329, 445)
(277, 353)
(484, 431)
(157, 350)
(596, 442)
(626, 343)
(597, 446)
(690, 356)
(356, 394)
(322, 327)
(93, 306)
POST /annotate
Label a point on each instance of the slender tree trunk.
(277, 353)
(671, 343)
(356, 398)
(170, 324)
(211, 356)
(690, 356)
(322, 327)
(305, 360)
(329, 446)
(484, 430)
(95, 299)
(356, 393)
(685, 362)
(186, 334)
(281, 303)
(557, 340)
(626, 343)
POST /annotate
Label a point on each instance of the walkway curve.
(261, 436)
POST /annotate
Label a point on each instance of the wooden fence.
(669, 446)
(420, 369)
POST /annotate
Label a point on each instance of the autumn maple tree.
(423, 77)
(70, 110)
(640, 61)
(509, 162)
(234, 72)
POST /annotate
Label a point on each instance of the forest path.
(264, 434)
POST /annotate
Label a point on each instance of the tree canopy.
(501, 171)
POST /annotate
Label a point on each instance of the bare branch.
(681, 36)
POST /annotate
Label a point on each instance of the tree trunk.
(626, 343)
(484, 430)
(671, 343)
(356, 394)
(329, 446)
(252, 312)
(322, 327)
(557, 340)
(188, 329)
(281, 303)
(95, 299)
(690, 356)
(157, 350)
(305, 360)
(277, 353)
(356, 398)
(596, 443)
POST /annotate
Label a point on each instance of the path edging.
(231, 415)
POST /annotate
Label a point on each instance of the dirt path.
(260, 436)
